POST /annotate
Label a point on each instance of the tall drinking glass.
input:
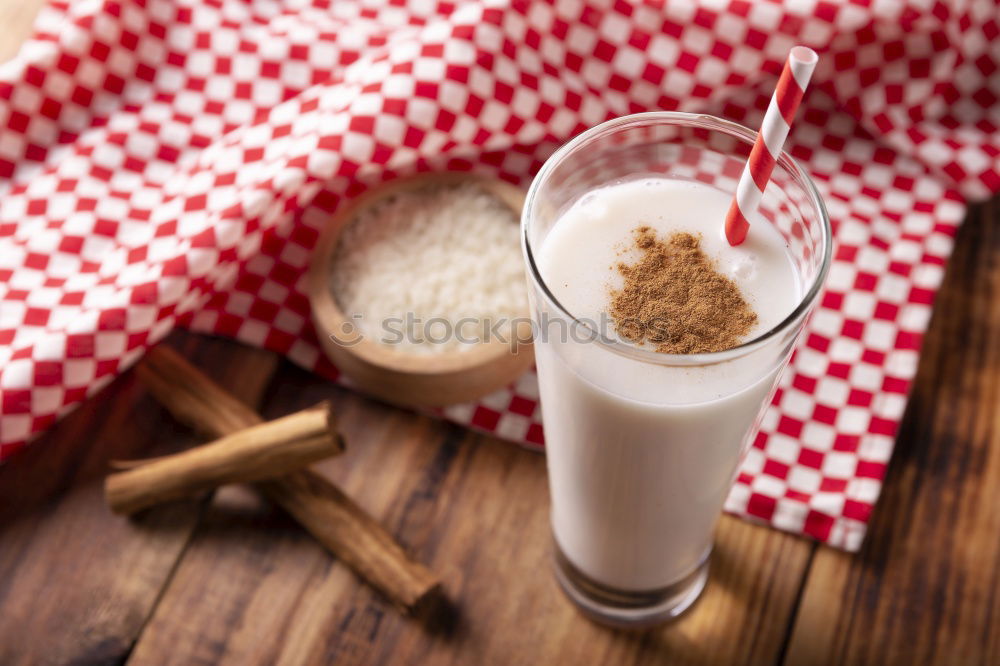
(642, 446)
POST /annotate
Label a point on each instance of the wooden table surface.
(233, 580)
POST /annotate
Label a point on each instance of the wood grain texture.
(253, 590)
(925, 589)
(76, 582)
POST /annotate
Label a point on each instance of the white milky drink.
(641, 456)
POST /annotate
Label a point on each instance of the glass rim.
(704, 121)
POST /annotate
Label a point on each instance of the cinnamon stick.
(352, 535)
(332, 517)
(191, 397)
(259, 452)
(132, 463)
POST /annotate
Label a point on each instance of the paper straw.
(766, 149)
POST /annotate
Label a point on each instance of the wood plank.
(76, 582)
(253, 589)
(925, 588)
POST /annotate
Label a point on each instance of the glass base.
(628, 609)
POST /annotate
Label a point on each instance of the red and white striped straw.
(766, 149)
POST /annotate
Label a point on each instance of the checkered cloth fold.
(170, 162)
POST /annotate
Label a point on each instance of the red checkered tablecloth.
(169, 163)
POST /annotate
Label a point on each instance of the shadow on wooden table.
(81, 580)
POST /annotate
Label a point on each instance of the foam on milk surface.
(579, 257)
(596, 234)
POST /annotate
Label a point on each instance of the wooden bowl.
(407, 378)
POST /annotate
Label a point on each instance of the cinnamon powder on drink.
(675, 299)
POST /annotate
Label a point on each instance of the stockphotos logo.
(412, 330)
